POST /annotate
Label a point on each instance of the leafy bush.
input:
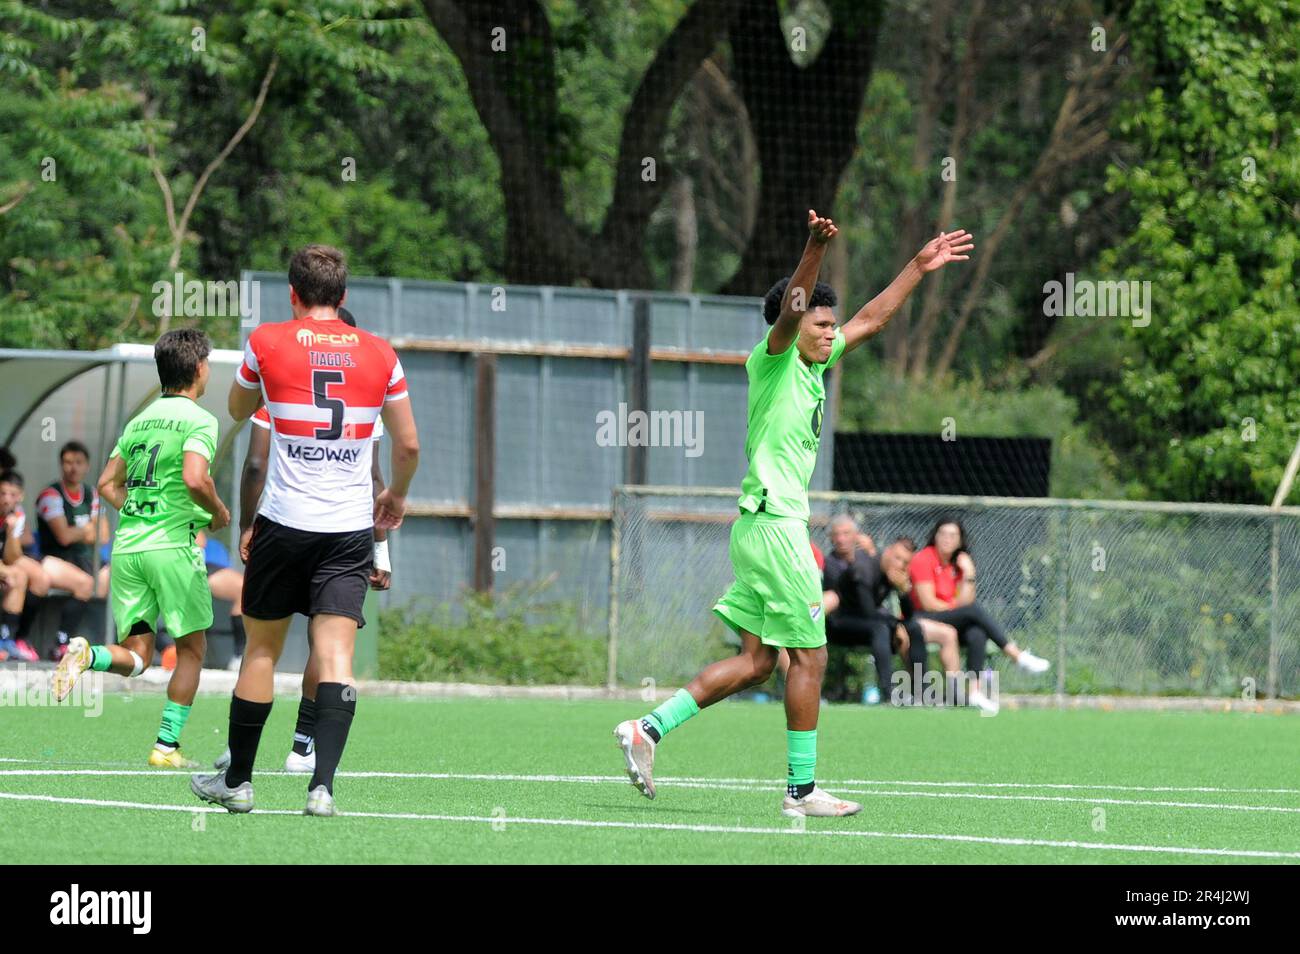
(504, 638)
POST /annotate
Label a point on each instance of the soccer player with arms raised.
(325, 384)
(775, 602)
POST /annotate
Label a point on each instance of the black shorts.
(299, 571)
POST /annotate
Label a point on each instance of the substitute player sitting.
(158, 477)
(776, 600)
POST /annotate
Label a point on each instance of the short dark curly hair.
(822, 295)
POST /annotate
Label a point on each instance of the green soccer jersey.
(786, 399)
(158, 513)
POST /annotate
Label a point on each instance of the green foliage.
(507, 638)
(1082, 466)
(1213, 195)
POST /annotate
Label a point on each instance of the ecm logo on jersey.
(306, 337)
(77, 907)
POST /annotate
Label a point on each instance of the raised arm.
(939, 251)
(799, 292)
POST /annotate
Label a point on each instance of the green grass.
(736, 740)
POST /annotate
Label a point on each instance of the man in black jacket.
(857, 584)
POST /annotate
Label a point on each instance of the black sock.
(237, 631)
(335, 706)
(70, 615)
(799, 791)
(9, 625)
(305, 730)
(246, 722)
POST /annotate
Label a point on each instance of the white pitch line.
(698, 829)
(685, 783)
(767, 783)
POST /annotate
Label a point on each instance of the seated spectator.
(943, 590)
(17, 571)
(858, 585)
(227, 584)
(68, 522)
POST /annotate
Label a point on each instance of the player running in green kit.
(157, 476)
(776, 600)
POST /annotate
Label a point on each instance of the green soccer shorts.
(171, 583)
(777, 595)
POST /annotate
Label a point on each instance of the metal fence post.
(1063, 561)
(1274, 560)
(484, 470)
(615, 538)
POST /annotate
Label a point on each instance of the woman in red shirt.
(943, 589)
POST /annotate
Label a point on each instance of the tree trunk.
(805, 123)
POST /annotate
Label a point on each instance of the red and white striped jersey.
(324, 384)
(261, 418)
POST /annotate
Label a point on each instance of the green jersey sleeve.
(203, 439)
(837, 349)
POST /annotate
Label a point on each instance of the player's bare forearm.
(204, 493)
(377, 485)
(253, 477)
(875, 314)
(405, 461)
(242, 403)
(112, 482)
(944, 248)
(800, 288)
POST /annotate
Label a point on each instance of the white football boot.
(213, 788)
(818, 804)
(320, 802)
(301, 764)
(74, 662)
(639, 754)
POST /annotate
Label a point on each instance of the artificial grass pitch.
(511, 781)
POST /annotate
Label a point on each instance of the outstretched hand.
(821, 229)
(944, 248)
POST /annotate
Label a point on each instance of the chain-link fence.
(1148, 598)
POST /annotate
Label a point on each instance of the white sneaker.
(300, 764)
(223, 761)
(976, 698)
(818, 804)
(1031, 663)
(320, 802)
(639, 754)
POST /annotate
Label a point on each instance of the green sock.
(173, 720)
(673, 712)
(100, 659)
(801, 754)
